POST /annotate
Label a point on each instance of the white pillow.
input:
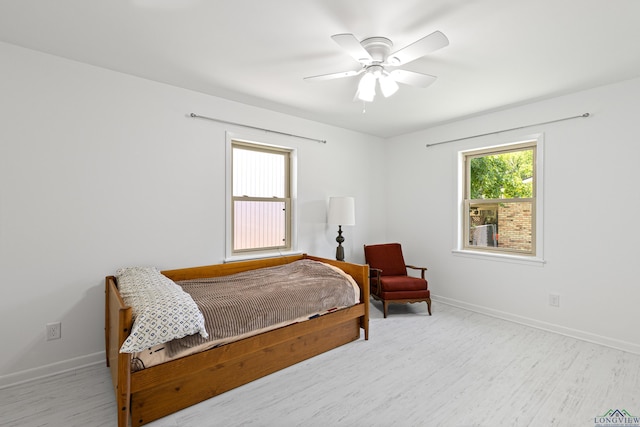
(162, 311)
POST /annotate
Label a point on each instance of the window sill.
(518, 259)
(249, 257)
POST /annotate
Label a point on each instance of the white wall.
(100, 170)
(591, 208)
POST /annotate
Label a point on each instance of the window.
(260, 198)
(499, 206)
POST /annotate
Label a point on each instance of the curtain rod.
(506, 130)
(196, 116)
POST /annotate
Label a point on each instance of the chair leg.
(428, 301)
(385, 305)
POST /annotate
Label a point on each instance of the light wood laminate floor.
(455, 368)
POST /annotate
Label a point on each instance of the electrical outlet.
(554, 300)
(54, 331)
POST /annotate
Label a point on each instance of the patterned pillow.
(161, 310)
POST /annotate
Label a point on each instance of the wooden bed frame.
(155, 392)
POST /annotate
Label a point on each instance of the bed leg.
(123, 392)
(123, 414)
(364, 324)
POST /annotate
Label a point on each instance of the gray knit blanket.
(240, 303)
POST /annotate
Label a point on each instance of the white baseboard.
(52, 369)
(562, 330)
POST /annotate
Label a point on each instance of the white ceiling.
(501, 53)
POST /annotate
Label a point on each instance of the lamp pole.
(340, 249)
(341, 212)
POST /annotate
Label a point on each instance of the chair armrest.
(374, 273)
(422, 269)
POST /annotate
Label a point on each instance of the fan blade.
(335, 75)
(412, 78)
(420, 48)
(352, 46)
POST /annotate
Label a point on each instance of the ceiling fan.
(378, 63)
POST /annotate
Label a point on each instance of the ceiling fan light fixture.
(388, 85)
(367, 87)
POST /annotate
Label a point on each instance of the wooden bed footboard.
(155, 392)
(118, 322)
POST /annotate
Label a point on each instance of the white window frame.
(269, 143)
(538, 226)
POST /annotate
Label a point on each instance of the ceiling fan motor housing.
(378, 47)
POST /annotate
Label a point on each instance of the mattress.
(245, 304)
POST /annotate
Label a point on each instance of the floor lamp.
(341, 212)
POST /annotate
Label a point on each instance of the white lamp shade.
(388, 86)
(342, 211)
(367, 87)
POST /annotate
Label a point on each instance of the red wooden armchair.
(389, 280)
